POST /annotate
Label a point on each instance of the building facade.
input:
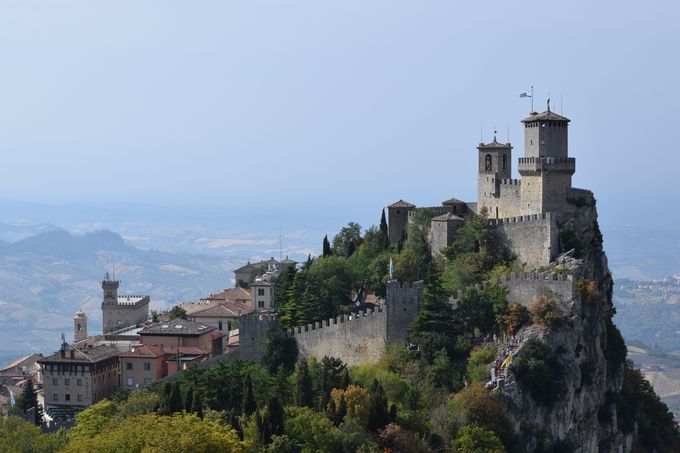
(142, 365)
(119, 312)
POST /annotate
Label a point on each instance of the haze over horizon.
(301, 104)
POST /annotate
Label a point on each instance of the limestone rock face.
(583, 419)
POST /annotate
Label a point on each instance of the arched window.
(504, 162)
(487, 162)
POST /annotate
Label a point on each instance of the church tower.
(79, 326)
(546, 167)
(495, 169)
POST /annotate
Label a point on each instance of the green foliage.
(19, 436)
(177, 312)
(569, 239)
(282, 286)
(29, 400)
(249, 405)
(478, 364)
(378, 414)
(482, 309)
(384, 231)
(516, 317)
(473, 439)
(304, 395)
(151, 432)
(326, 247)
(435, 315)
(279, 351)
(545, 311)
(615, 350)
(92, 420)
(539, 372)
(348, 235)
(657, 430)
(139, 402)
(311, 429)
(485, 408)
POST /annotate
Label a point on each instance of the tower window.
(487, 162)
(504, 159)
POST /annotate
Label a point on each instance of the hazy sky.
(329, 103)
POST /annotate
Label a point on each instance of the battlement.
(506, 181)
(522, 218)
(524, 288)
(535, 165)
(337, 322)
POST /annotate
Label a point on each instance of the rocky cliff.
(574, 409)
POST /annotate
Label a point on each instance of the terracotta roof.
(547, 115)
(176, 327)
(447, 217)
(230, 294)
(32, 358)
(401, 204)
(452, 201)
(288, 261)
(224, 310)
(144, 350)
(494, 144)
(89, 354)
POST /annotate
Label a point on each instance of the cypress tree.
(378, 415)
(303, 385)
(341, 411)
(249, 406)
(393, 413)
(351, 248)
(175, 398)
(197, 404)
(189, 398)
(29, 400)
(384, 232)
(163, 404)
(275, 417)
(326, 247)
(435, 314)
(330, 409)
(345, 381)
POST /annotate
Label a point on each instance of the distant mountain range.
(47, 277)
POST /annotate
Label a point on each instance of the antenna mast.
(280, 245)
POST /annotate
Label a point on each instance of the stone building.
(262, 291)
(119, 312)
(183, 333)
(245, 275)
(525, 212)
(77, 377)
(142, 365)
(79, 326)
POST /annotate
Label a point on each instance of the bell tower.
(79, 326)
(495, 165)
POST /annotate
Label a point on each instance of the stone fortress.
(119, 312)
(527, 215)
(526, 212)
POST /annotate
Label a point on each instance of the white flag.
(391, 269)
(526, 94)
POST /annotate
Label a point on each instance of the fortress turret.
(495, 186)
(546, 169)
(397, 218)
(110, 288)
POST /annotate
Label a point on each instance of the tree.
(177, 312)
(304, 395)
(154, 316)
(29, 400)
(473, 439)
(279, 351)
(435, 315)
(18, 435)
(249, 406)
(92, 420)
(282, 285)
(357, 400)
(545, 311)
(348, 234)
(326, 251)
(539, 372)
(384, 232)
(516, 317)
(486, 409)
(189, 398)
(275, 416)
(378, 415)
(175, 398)
(481, 308)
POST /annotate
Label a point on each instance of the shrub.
(473, 439)
(571, 240)
(480, 358)
(539, 372)
(589, 292)
(357, 399)
(545, 311)
(485, 409)
(515, 318)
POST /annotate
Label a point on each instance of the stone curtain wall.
(355, 339)
(533, 238)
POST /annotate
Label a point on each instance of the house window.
(55, 381)
(79, 381)
(147, 366)
(260, 291)
(130, 382)
(128, 366)
(55, 397)
(67, 397)
(219, 325)
(67, 381)
(487, 162)
(228, 325)
(80, 397)
(260, 304)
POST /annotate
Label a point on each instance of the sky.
(330, 104)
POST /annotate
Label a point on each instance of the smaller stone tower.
(494, 186)
(79, 326)
(397, 219)
(110, 288)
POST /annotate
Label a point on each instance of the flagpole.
(532, 99)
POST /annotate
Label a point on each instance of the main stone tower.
(546, 167)
(120, 312)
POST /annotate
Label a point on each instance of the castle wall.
(501, 197)
(534, 239)
(355, 339)
(116, 317)
(401, 304)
